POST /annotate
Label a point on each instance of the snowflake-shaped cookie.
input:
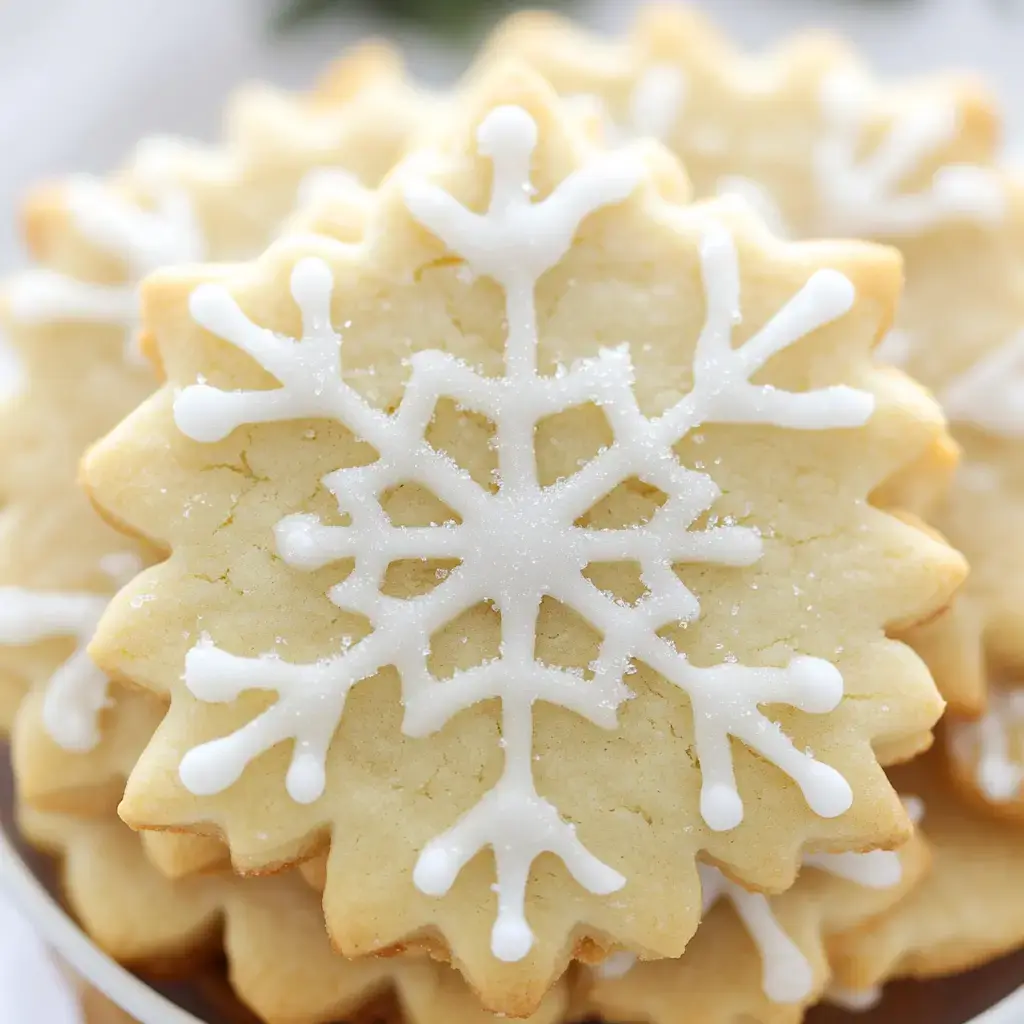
(534, 535)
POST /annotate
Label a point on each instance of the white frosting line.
(896, 348)
(143, 239)
(520, 545)
(787, 975)
(990, 395)
(618, 965)
(657, 102)
(655, 105)
(861, 194)
(758, 199)
(77, 691)
(852, 1000)
(988, 741)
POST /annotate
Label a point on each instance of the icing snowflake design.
(519, 545)
(787, 975)
(860, 194)
(77, 692)
(988, 742)
(144, 240)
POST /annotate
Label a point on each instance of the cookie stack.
(527, 585)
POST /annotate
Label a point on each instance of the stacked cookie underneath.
(544, 550)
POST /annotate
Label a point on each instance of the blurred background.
(81, 80)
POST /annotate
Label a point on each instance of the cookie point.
(721, 807)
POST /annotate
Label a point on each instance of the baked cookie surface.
(498, 528)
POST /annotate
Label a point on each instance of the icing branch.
(990, 395)
(987, 743)
(521, 544)
(786, 974)
(655, 105)
(861, 194)
(77, 691)
(143, 240)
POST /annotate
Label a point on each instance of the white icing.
(990, 395)
(655, 105)
(861, 194)
(915, 808)
(853, 1000)
(657, 101)
(618, 965)
(519, 545)
(998, 774)
(896, 348)
(786, 974)
(879, 869)
(77, 691)
(143, 239)
(758, 199)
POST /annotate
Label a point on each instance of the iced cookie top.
(804, 133)
(523, 552)
(819, 147)
(72, 321)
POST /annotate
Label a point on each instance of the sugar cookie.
(631, 305)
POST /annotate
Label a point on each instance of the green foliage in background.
(451, 16)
